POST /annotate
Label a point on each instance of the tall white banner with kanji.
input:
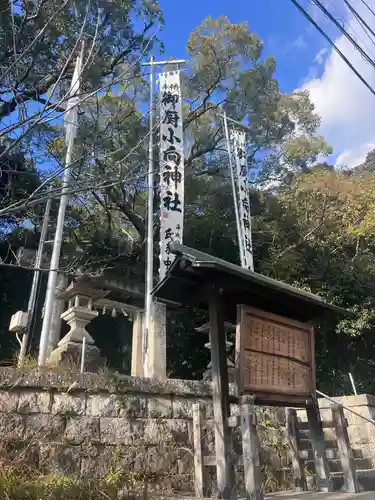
(171, 167)
(238, 140)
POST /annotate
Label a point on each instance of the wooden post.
(198, 450)
(345, 450)
(220, 396)
(323, 480)
(250, 450)
(295, 448)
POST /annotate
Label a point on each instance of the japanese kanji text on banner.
(171, 167)
(241, 174)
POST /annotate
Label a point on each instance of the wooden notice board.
(275, 358)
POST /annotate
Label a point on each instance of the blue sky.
(303, 58)
(277, 22)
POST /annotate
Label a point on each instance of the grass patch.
(16, 485)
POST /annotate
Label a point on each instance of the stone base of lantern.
(70, 353)
(69, 349)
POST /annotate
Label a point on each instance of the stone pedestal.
(155, 362)
(137, 346)
(78, 318)
(69, 349)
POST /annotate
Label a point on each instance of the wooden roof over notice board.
(192, 271)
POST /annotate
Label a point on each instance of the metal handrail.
(346, 407)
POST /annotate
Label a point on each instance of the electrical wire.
(358, 18)
(365, 26)
(344, 32)
(369, 8)
(334, 46)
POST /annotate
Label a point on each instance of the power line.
(332, 43)
(344, 32)
(350, 27)
(360, 19)
(369, 8)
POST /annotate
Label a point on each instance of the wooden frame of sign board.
(275, 358)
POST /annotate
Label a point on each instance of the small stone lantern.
(229, 328)
(81, 297)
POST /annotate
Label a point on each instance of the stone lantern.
(229, 328)
(81, 297)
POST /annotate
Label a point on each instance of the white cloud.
(346, 106)
(320, 56)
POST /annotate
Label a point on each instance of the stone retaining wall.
(102, 425)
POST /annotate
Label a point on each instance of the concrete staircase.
(364, 467)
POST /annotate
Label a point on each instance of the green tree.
(318, 235)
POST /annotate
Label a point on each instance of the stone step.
(329, 444)
(365, 477)
(335, 464)
(331, 454)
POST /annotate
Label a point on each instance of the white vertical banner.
(171, 167)
(242, 186)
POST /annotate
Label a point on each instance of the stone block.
(34, 402)
(326, 414)
(12, 426)
(132, 406)
(357, 419)
(101, 406)
(8, 401)
(130, 461)
(330, 434)
(160, 407)
(44, 427)
(359, 434)
(117, 431)
(367, 450)
(183, 407)
(182, 483)
(130, 432)
(80, 429)
(69, 405)
(90, 449)
(161, 458)
(100, 464)
(59, 459)
(185, 461)
(133, 458)
(166, 431)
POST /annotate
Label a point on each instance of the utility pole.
(35, 283)
(71, 118)
(150, 215)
